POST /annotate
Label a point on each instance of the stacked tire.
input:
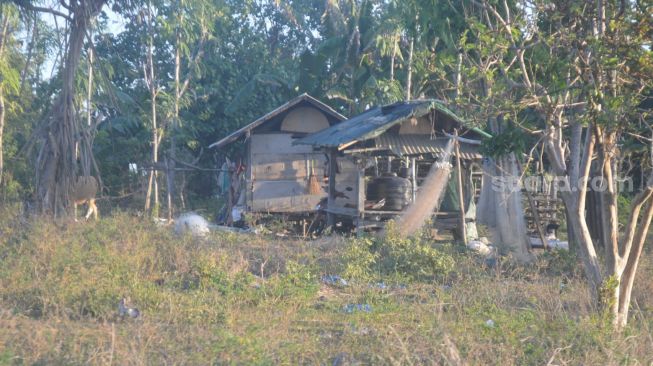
(395, 190)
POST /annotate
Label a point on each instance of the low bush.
(403, 258)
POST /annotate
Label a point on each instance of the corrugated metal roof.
(376, 121)
(406, 145)
(291, 103)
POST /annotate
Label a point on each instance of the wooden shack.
(277, 171)
(403, 139)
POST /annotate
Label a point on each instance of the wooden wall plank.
(284, 196)
(346, 183)
(279, 143)
(287, 166)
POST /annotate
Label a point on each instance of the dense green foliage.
(242, 58)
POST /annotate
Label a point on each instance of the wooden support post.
(230, 196)
(461, 201)
(170, 183)
(360, 203)
(389, 170)
(376, 167)
(333, 168)
(413, 176)
(249, 184)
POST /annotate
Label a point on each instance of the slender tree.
(582, 79)
(150, 77)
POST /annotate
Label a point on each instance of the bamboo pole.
(333, 167)
(461, 201)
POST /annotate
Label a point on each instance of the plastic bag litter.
(352, 308)
(192, 223)
(480, 247)
(334, 280)
(384, 286)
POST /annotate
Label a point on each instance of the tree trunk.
(574, 199)
(3, 41)
(28, 59)
(149, 75)
(612, 289)
(628, 276)
(175, 119)
(410, 69)
(2, 127)
(585, 243)
(56, 164)
(459, 70)
(153, 187)
(395, 40)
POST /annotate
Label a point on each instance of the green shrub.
(360, 258)
(406, 258)
(298, 280)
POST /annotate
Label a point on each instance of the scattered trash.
(237, 213)
(340, 359)
(552, 240)
(380, 285)
(552, 243)
(481, 247)
(489, 323)
(161, 221)
(196, 225)
(352, 308)
(362, 331)
(384, 286)
(124, 310)
(558, 244)
(192, 223)
(334, 280)
(232, 229)
(445, 287)
(563, 285)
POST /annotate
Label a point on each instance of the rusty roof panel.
(407, 145)
(375, 121)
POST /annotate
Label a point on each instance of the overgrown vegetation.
(401, 258)
(568, 81)
(243, 299)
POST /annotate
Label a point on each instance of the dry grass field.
(256, 300)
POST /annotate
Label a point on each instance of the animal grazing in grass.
(84, 190)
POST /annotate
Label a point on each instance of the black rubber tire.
(395, 190)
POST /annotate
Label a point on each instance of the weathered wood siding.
(280, 174)
(347, 184)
